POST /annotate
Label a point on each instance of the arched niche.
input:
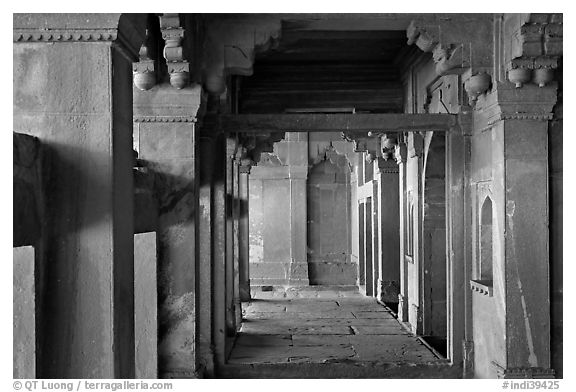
(328, 245)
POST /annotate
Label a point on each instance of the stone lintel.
(364, 122)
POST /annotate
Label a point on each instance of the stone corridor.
(326, 331)
(170, 167)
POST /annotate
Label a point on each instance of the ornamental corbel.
(544, 70)
(368, 142)
(178, 67)
(425, 37)
(539, 70)
(449, 59)
(477, 85)
(144, 72)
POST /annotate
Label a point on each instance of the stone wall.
(274, 205)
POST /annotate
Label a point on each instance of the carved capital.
(509, 103)
(386, 166)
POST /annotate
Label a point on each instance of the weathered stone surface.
(270, 338)
(24, 308)
(145, 305)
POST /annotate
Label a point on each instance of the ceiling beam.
(321, 122)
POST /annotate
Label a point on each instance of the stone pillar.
(219, 251)
(75, 95)
(298, 174)
(361, 246)
(388, 230)
(515, 341)
(400, 157)
(368, 264)
(525, 213)
(165, 137)
(244, 245)
(205, 301)
(375, 233)
(231, 146)
(457, 290)
(236, 234)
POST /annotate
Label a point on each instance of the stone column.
(458, 294)
(388, 230)
(400, 157)
(219, 251)
(375, 233)
(298, 174)
(236, 233)
(368, 261)
(361, 246)
(520, 171)
(244, 245)
(231, 146)
(72, 89)
(208, 154)
(170, 149)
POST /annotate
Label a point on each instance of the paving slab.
(323, 326)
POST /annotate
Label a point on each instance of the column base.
(279, 274)
(467, 359)
(245, 291)
(388, 291)
(402, 308)
(527, 372)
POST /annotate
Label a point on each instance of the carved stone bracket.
(231, 46)
(539, 70)
(426, 37)
(144, 71)
(255, 144)
(535, 49)
(178, 67)
(452, 47)
(367, 142)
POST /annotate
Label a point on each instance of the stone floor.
(326, 325)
